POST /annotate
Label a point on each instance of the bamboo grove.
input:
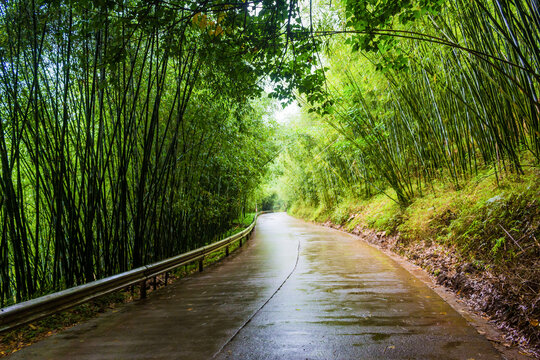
(130, 131)
(432, 95)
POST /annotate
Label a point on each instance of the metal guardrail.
(31, 310)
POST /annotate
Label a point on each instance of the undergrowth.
(494, 223)
(491, 223)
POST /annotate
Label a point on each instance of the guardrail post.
(166, 277)
(143, 289)
(201, 265)
(227, 250)
(154, 284)
(241, 241)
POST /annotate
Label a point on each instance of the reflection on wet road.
(344, 300)
(347, 300)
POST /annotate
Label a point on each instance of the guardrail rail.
(31, 310)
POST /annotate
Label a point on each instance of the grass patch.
(488, 220)
(378, 212)
(484, 220)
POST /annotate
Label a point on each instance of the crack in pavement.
(262, 306)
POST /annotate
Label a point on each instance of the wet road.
(295, 291)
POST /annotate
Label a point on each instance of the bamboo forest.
(132, 131)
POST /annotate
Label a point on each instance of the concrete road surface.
(295, 291)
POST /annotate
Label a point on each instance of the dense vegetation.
(131, 131)
(451, 96)
(429, 129)
(458, 93)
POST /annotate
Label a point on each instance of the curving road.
(295, 291)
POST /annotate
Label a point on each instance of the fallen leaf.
(534, 322)
(189, 309)
(32, 326)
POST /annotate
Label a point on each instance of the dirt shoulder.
(473, 293)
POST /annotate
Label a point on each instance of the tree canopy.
(133, 130)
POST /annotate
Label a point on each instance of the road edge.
(474, 318)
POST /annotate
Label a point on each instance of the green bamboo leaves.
(436, 90)
(125, 136)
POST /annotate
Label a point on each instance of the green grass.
(239, 224)
(489, 220)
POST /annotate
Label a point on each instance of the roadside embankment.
(482, 241)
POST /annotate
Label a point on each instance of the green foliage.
(458, 108)
(482, 222)
(502, 228)
(374, 26)
(131, 130)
